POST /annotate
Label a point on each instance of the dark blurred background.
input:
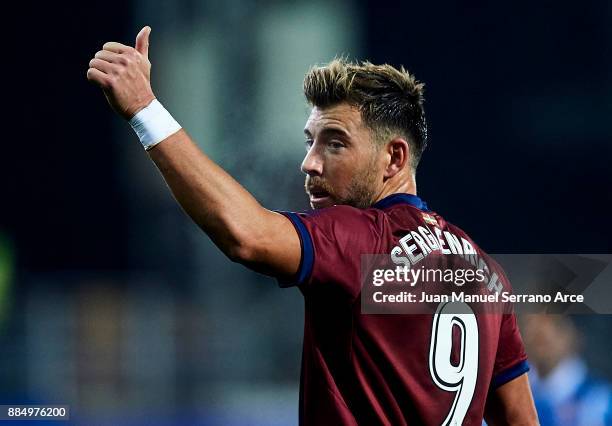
(112, 301)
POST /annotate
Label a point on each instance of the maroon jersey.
(365, 369)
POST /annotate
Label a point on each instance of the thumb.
(142, 41)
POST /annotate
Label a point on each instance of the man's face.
(342, 164)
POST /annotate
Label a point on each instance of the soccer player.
(364, 137)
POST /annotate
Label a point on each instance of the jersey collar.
(394, 199)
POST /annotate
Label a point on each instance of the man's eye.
(308, 144)
(336, 144)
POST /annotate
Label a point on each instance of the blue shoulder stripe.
(307, 259)
(510, 374)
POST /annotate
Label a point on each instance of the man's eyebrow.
(329, 131)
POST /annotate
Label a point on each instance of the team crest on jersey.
(429, 219)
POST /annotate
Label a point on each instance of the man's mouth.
(319, 197)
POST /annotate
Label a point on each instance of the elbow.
(245, 244)
(242, 252)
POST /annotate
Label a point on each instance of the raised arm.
(244, 230)
(512, 404)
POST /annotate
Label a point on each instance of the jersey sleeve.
(332, 242)
(511, 359)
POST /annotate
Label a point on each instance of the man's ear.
(398, 157)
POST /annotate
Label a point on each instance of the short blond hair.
(390, 99)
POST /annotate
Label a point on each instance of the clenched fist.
(124, 74)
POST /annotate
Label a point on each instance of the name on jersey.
(416, 245)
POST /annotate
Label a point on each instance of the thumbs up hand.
(124, 74)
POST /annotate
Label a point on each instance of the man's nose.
(312, 164)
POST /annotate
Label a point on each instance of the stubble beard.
(361, 191)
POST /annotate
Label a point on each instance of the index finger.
(113, 46)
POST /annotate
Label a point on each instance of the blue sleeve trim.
(510, 374)
(307, 259)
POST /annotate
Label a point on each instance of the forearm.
(245, 231)
(218, 204)
(512, 405)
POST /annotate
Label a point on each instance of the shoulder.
(343, 218)
(341, 212)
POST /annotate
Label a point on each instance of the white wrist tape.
(153, 124)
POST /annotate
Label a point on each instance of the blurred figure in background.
(565, 392)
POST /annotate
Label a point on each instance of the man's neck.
(406, 186)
